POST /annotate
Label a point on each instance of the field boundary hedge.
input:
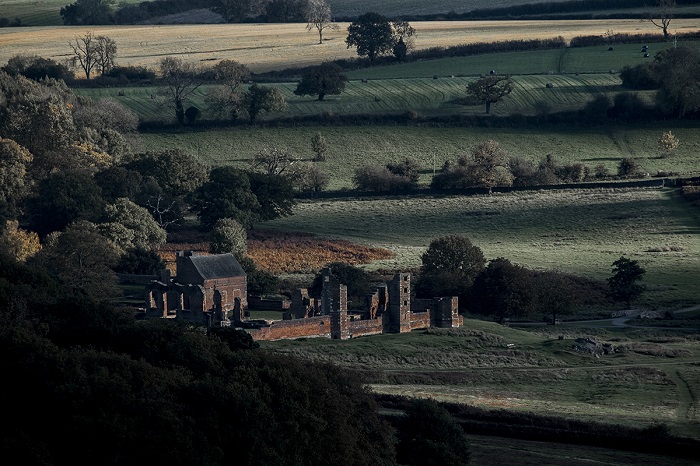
(651, 183)
(529, 426)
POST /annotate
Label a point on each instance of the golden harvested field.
(264, 47)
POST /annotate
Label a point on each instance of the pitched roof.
(217, 266)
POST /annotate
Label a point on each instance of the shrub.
(380, 179)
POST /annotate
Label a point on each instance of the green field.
(540, 373)
(576, 231)
(354, 146)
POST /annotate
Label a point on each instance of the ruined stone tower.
(400, 303)
(334, 301)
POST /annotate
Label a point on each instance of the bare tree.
(93, 53)
(319, 17)
(106, 53)
(274, 160)
(181, 81)
(665, 15)
(227, 98)
(85, 52)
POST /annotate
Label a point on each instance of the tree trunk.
(488, 107)
(320, 36)
(321, 95)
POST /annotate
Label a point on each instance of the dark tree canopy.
(65, 197)
(88, 12)
(503, 290)
(429, 436)
(325, 79)
(450, 265)
(623, 283)
(371, 34)
(490, 89)
(177, 172)
(115, 390)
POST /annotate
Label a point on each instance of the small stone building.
(205, 289)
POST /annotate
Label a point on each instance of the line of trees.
(454, 266)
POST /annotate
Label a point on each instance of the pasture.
(264, 47)
(575, 231)
(637, 385)
(354, 146)
(426, 96)
(46, 12)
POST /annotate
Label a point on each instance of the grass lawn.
(353, 146)
(540, 373)
(576, 231)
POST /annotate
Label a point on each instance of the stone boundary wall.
(647, 183)
(420, 320)
(319, 326)
(358, 328)
(255, 302)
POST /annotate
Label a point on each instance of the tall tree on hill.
(664, 15)
(227, 99)
(450, 265)
(623, 283)
(321, 80)
(371, 34)
(181, 81)
(318, 16)
(490, 89)
(263, 99)
(94, 53)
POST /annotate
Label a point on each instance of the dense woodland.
(78, 204)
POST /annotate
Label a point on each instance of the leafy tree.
(118, 181)
(37, 68)
(486, 166)
(88, 12)
(623, 283)
(490, 89)
(140, 261)
(449, 267)
(38, 117)
(238, 10)
(263, 99)
(228, 235)
(557, 294)
(324, 79)
(227, 99)
(679, 78)
(274, 160)
(18, 243)
(668, 143)
(629, 168)
(407, 168)
(275, 195)
(63, 198)
(503, 290)
(177, 172)
(371, 34)
(665, 15)
(14, 163)
(82, 259)
(104, 115)
(260, 282)
(429, 436)
(131, 226)
(319, 146)
(312, 179)
(358, 281)
(286, 11)
(227, 194)
(318, 16)
(380, 179)
(94, 53)
(403, 38)
(181, 80)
